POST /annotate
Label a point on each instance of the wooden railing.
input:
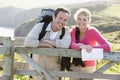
(10, 47)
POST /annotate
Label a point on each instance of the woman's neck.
(83, 32)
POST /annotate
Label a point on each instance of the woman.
(89, 37)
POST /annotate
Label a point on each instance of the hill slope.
(6, 14)
(100, 19)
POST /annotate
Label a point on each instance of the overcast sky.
(27, 4)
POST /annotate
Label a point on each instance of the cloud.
(36, 3)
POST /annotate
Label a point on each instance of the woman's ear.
(90, 21)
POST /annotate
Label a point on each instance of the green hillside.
(105, 16)
(25, 28)
(114, 10)
(114, 39)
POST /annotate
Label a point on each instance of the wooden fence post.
(8, 69)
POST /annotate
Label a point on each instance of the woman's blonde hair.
(83, 11)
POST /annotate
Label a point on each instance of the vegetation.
(113, 10)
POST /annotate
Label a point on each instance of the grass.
(114, 39)
(114, 10)
(17, 77)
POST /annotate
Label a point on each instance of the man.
(50, 40)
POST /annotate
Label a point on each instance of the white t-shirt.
(53, 35)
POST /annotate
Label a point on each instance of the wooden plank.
(12, 60)
(37, 67)
(5, 49)
(48, 51)
(86, 75)
(4, 77)
(7, 58)
(2, 39)
(19, 40)
(71, 74)
(112, 56)
(17, 65)
(26, 72)
(2, 50)
(7, 67)
(105, 67)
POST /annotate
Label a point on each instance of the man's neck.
(53, 28)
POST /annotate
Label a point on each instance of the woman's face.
(82, 21)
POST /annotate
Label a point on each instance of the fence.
(10, 47)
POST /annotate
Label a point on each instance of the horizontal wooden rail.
(48, 51)
(70, 74)
(9, 47)
(4, 77)
(111, 56)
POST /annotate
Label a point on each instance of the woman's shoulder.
(73, 27)
(92, 29)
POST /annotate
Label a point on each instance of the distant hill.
(24, 29)
(24, 20)
(6, 14)
(23, 17)
(12, 17)
(102, 21)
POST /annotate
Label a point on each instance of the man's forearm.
(51, 42)
(45, 45)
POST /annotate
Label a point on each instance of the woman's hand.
(87, 47)
(80, 44)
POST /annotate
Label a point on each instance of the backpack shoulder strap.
(41, 35)
(43, 32)
(63, 33)
(77, 34)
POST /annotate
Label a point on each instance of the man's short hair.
(61, 9)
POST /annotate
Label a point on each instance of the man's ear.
(53, 16)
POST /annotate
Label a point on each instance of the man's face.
(60, 20)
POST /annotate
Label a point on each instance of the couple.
(89, 37)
